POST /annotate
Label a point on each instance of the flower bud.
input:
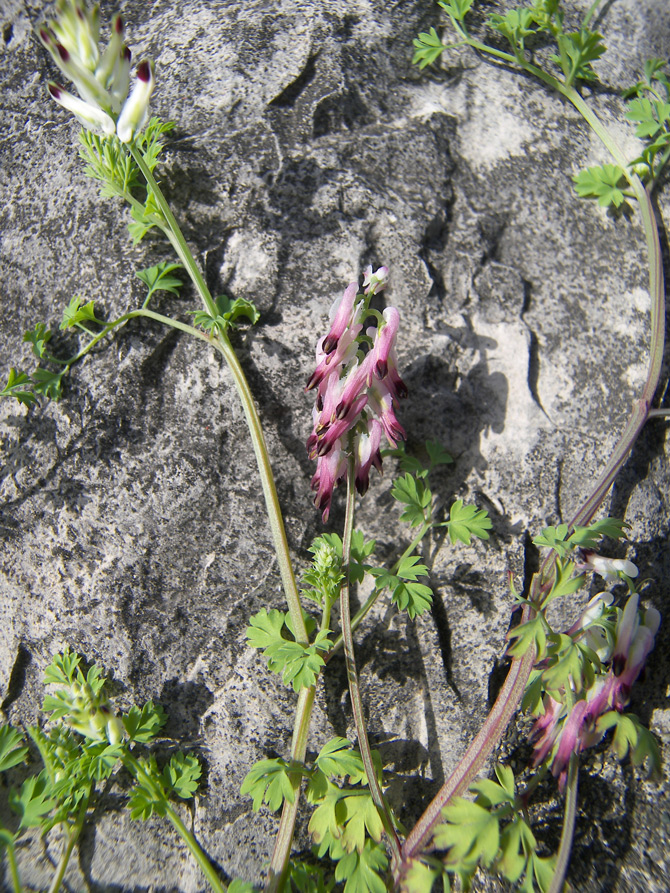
(135, 112)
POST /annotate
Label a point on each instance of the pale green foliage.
(299, 664)
(82, 747)
(427, 48)
(466, 521)
(268, 781)
(406, 592)
(606, 182)
(493, 832)
(228, 313)
(160, 278)
(632, 739)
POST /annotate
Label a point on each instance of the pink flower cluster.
(563, 731)
(356, 394)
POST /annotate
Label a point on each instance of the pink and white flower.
(357, 391)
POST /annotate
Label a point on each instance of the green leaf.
(150, 140)
(159, 278)
(38, 337)
(420, 878)
(564, 582)
(238, 886)
(456, 8)
(50, 384)
(16, 387)
(326, 824)
(268, 781)
(650, 115)
(12, 749)
(577, 51)
(470, 833)
(555, 538)
(633, 739)
(570, 665)
(413, 493)
(532, 634)
(543, 870)
(361, 870)
(306, 878)
(299, 664)
(148, 796)
(407, 594)
(588, 537)
(228, 313)
(338, 758)
(427, 48)
(142, 725)
(362, 821)
(182, 775)
(140, 226)
(265, 628)
(35, 800)
(515, 25)
(77, 312)
(437, 454)
(606, 183)
(466, 521)
(63, 669)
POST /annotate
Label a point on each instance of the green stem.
(205, 865)
(222, 344)
(72, 837)
(352, 675)
(178, 240)
(567, 833)
(140, 774)
(282, 847)
(374, 595)
(269, 490)
(589, 15)
(13, 867)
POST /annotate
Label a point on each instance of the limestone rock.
(306, 147)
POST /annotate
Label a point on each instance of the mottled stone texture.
(306, 147)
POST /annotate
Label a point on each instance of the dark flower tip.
(329, 344)
(144, 72)
(55, 90)
(62, 52)
(118, 25)
(126, 55)
(45, 37)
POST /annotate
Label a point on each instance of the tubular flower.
(101, 79)
(608, 568)
(357, 390)
(562, 730)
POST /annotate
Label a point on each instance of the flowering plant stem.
(513, 689)
(71, 839)
(362, 613)
(352, 675)
(135, 768)
(567, 833)
(282, 847)
(221, 342)
(13, 867)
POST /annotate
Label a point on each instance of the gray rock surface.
(306, 147)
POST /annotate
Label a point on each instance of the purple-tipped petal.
(135, 111)
(89, 115)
